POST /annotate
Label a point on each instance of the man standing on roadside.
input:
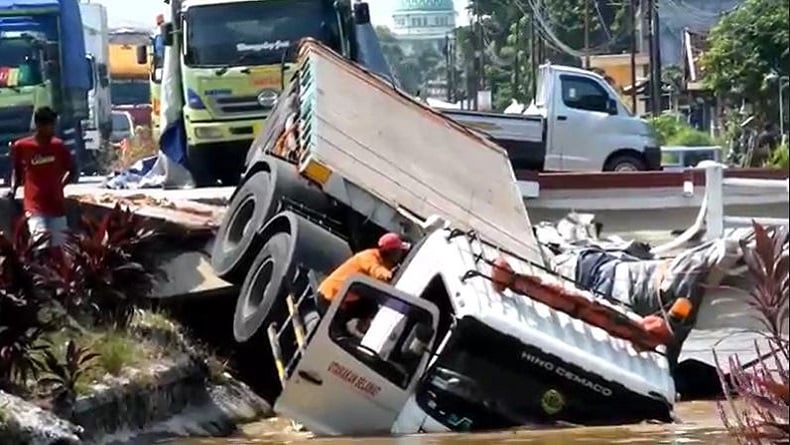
(42, 164)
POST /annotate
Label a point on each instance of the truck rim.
(240, 224)
(260, 282)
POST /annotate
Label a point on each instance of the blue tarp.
(72, 42)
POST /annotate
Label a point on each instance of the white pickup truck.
(345, 156)
(577, 122)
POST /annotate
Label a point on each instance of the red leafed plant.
(26, 286)
(109, 268)
(762, 415)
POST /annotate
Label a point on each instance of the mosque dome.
(402, 6)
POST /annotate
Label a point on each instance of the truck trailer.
(42, 63)
(96, 35)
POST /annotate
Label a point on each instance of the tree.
(414, 69)
(506, 37)
(745, 46)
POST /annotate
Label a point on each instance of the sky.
(143, 12)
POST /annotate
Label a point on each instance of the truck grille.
(239, 105)
(15, 121)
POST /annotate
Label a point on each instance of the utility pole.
(517, 67)
(632, 12)
(586, 34)
(648, 12)
(533, 53)
(541, 42)
(448, 70)
(656, 74)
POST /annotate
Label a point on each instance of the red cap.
(392, 241)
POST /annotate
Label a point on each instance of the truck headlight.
(208, 133)
(267, 98)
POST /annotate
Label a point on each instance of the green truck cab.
(23, 85)
(235, 57)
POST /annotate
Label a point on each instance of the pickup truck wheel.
(625, 163)
(237, 239)
(263, 287)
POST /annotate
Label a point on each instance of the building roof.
(423, 5)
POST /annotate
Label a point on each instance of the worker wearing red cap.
(377, 263)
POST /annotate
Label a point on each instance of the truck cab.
(447, 350)
(235, 56)
(577, 122)
(24, 81)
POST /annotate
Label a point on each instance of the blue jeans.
(55, 226)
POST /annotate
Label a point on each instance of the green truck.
(42, 63)
(235, 57)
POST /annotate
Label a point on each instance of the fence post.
(714, 212)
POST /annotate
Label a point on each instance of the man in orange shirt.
(376, 263)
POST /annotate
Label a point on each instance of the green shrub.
(780, 158)
(671, 131)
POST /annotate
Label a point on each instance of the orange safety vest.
(368, 262)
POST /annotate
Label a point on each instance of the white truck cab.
(577, 122)
(445, 350)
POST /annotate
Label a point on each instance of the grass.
(117, 351)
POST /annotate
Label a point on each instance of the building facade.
(423, 24)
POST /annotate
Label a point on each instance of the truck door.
(363, 361)
(578, 123)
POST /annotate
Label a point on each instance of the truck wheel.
(295, 242)
(237, 240)
(625, 163)
(250, 209)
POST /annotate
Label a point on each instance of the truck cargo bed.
(412, 157)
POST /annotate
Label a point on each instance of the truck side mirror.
(361, 13)
(167, 33)
(52, 52)
(142, 54)
(91, 67)
(611, 106)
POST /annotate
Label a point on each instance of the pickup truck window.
(382, 331)
(582, 93)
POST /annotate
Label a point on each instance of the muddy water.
(701, 425)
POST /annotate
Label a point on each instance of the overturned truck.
(472, 333)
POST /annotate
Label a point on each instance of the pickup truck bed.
(412, 157)
(524, 137)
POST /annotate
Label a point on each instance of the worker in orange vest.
(377, 263)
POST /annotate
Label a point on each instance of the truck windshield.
(252, 33)
(130, 92)
(20, 65)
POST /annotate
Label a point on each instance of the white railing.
(713, 152)
(715, 189)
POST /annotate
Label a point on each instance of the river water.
(701, 424)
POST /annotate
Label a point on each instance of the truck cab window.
(251, 32)
(582, 93)
(387, 334)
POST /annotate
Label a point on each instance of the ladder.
(301, 289)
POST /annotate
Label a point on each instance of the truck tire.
(262, 194)
(625, 163)
(237, 240)
(292, 242)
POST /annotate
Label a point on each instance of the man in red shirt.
(43, 165)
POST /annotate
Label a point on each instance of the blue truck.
(42, 63)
